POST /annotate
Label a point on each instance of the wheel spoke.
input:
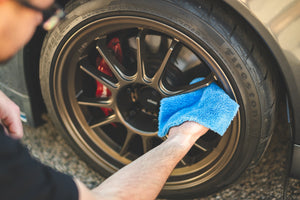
(164, 91)
(129, 137)
(115, 66)
(95, 102)
(141, 71)
(164, 45)
(200, 147)
(147, 143)
(109, 119)
(196, 86)
(183, 162)
(99, 76)
(158, 75)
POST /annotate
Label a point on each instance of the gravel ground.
(265, 181)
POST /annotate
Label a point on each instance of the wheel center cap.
(139, 106)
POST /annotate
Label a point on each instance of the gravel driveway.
(265, 181)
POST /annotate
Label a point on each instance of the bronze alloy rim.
(145, 60)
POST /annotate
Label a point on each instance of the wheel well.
(31, 69)
(275, 55)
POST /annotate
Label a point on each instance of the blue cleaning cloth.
(209, 106)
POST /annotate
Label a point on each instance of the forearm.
(145, 177)
(141, 179)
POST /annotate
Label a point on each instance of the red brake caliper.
(102, 91)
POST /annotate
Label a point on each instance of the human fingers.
(10, 117)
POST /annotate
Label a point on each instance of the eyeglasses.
(51, 15)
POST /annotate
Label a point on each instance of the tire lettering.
(253, 103)
(244, 76)
(228, 52)
(248, 85)
(238, 66)
(234, 60)
(253, 106)
(254, 113)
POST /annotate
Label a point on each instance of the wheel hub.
(139, 106)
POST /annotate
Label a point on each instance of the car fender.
(278, 23)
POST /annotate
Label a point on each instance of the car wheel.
(105, 68)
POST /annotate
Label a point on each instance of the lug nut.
(132, 113)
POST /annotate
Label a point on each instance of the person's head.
(18, 21)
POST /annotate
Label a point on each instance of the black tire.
(210, 31)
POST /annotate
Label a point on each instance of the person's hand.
(10, 117)
(188, 131)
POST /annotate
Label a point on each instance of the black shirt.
(22, 177)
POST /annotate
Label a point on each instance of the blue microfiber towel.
(209, 106)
